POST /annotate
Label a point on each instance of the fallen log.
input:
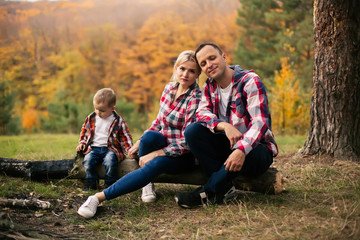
(271, 182)
(36, 170)
(28, 203)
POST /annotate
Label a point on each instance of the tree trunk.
(335, 108)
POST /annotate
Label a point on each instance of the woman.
(162, 148)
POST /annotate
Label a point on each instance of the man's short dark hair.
(207, 44)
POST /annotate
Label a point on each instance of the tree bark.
(335, 108)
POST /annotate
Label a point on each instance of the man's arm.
(206, 111)
(257, 107)
(258, 110)
(231, 132)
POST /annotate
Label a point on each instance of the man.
(233, 134)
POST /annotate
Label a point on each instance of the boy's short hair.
(105, 95)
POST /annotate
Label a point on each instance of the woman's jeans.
(212, 150)
(150, 141)
(108, 159)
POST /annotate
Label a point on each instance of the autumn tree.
(56, 54)
(150, 60)
(288, 108)
(335, 108)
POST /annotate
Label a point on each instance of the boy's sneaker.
(192, 199)
(148, 193)
(88, 209)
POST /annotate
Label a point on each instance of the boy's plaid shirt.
(174, 117)
(119, 137)
(247, 110)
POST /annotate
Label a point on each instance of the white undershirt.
(102, 126)
(224, 100)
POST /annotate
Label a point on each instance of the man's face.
(211, 62)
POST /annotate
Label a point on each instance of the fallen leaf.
(38, 214)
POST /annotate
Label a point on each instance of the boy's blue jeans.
(212, 150)
(150, 141)
(102, 155)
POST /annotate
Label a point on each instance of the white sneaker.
(88, 209)
(148, 193)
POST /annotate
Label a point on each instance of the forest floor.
(321, 201)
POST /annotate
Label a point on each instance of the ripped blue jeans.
(96, 156)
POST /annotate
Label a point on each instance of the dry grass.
(321, 202)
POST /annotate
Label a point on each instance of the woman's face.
(187, 73)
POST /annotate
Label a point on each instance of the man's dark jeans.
(212, 150)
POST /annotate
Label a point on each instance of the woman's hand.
(230, 131)
(133, 151)
(148, 157)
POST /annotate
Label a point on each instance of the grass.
(290, 144)
(62, 146)
(321, 201)
(41, 146)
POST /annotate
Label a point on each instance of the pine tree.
(7, 99)
(274, 29)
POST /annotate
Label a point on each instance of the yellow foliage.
(68, 49)
(30, 119)
(288, 109)
(28, 13)
(149, 62)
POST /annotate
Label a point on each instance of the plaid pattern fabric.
(174, 117)
(247, 110)
(119, 140)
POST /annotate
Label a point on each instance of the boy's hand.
(80, 147)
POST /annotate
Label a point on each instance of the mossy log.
(271, 182)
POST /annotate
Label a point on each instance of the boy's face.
(102, 109)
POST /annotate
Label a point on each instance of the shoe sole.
(85, 215)
(231, 195)
(149, 200)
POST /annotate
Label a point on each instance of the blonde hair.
(187, 55)
(105, 95)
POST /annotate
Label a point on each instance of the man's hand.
(231, 132)
(235, 161)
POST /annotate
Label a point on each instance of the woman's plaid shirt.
(247, 110)
(175, 116)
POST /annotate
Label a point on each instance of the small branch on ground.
(28, 203)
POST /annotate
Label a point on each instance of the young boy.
(105, 138)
